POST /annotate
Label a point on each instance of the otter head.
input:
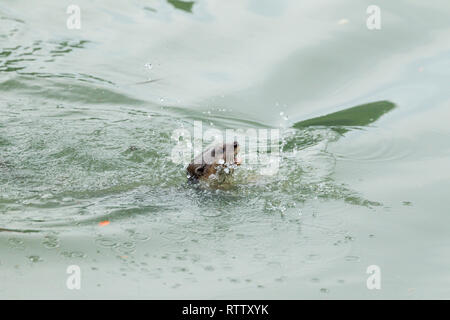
(215, 163)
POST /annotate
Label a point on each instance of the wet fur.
(214, 161)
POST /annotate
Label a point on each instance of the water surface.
(86, 119)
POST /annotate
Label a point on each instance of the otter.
(214, 164)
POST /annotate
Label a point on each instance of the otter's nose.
(236, 144)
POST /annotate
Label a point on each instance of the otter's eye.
(213, 153)
(199, 170)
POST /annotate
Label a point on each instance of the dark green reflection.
(182, 5)
(361, 115)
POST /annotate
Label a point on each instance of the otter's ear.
(199, 171)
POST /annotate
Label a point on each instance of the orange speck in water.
(103, 223)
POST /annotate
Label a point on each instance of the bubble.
(35, 259)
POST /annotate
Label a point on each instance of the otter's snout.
(213, 161)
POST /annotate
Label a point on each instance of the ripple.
(139, 236)
(377, 146)
(352, 258)
(174, 235)
(51, 242)
(73, 254)
(16, 243)
(127, 247)
(106, 243)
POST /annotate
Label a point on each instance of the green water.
(86, 119)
